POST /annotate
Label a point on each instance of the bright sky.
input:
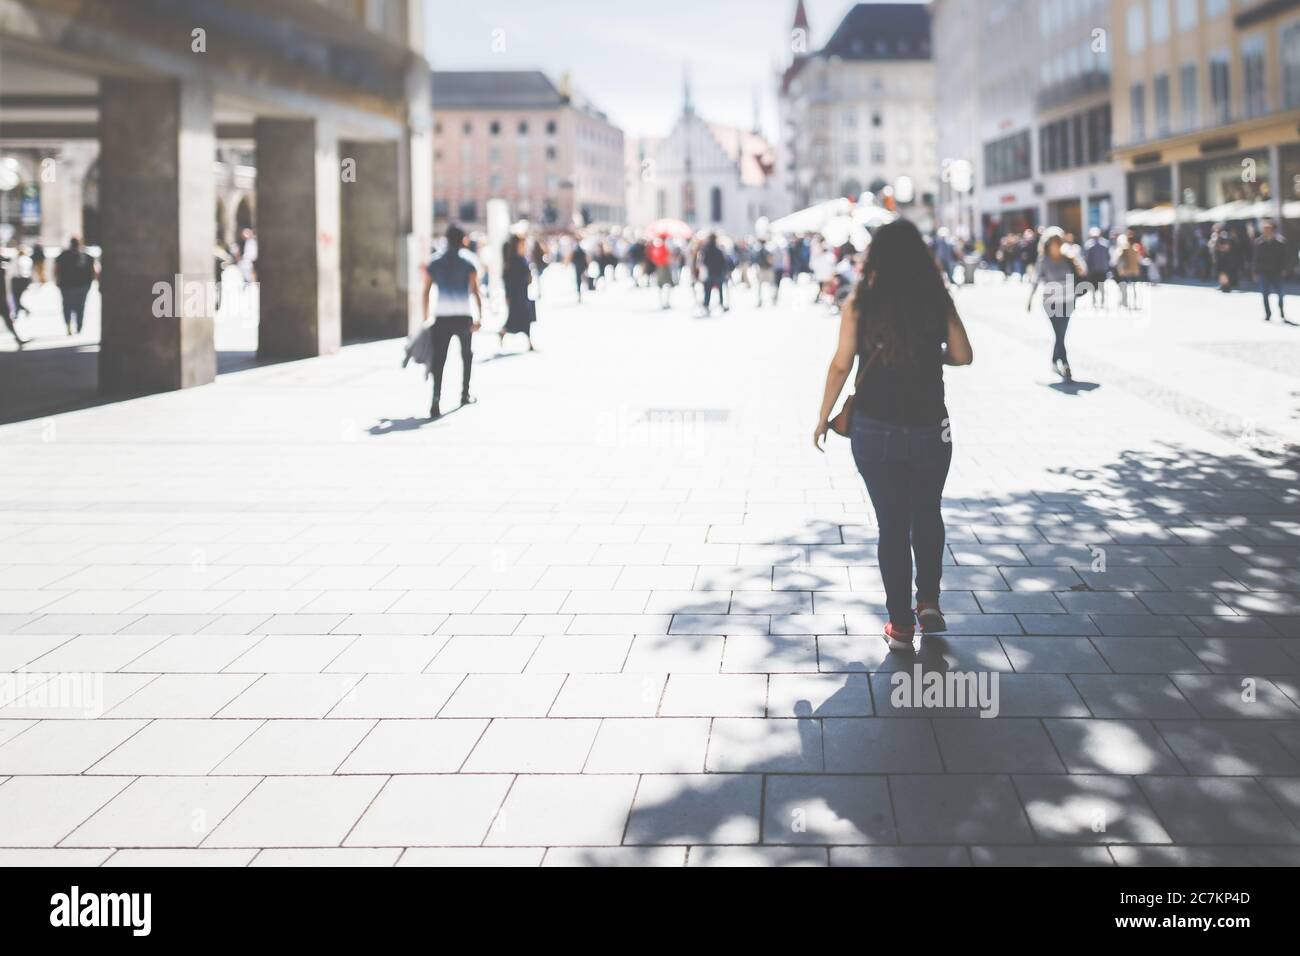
(629, 56)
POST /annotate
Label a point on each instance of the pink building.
(515, 135)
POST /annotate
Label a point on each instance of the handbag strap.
(863, 366)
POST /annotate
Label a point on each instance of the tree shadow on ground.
(851, 764)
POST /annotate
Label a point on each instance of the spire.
(801, 17)
(758, 123)
(688, 105)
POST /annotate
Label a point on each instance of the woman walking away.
(521, 310)
(1058, 274)
(902, 327)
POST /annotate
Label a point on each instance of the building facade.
(709, 175)
(1207, 116)
(859, 113)
(957, 115)
(518, 136)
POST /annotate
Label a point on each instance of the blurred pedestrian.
(74, 272)
(518, 279)
(455, 274)
(660, 258)
(5, 316)
(1096, 261)
(580, 262)
(21, 278)
(717, 267)
(1270, 264)
(1059, 275)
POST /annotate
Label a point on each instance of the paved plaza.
(620, 611)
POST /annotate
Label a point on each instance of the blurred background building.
(516, 135)
(167, 124)
(858, 113)
(959, 66)
(709, 175)
(1207, 114)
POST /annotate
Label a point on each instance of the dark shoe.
(435, 412)
(930, 618)
(468, 399)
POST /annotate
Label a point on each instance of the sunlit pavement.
(620, 611)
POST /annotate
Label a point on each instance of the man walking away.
(716, 269)
(4, 303)
(456, 277)
(1096, 260)
(1270, 263)
(74, 271)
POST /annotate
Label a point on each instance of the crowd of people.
(24, 270)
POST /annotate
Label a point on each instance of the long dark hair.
(901, 303)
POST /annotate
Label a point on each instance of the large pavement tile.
(163, 812)
(1082, 808)
(484, 654)
(504, 695)
(487, 856)
(1216, 696)
(41, 811)
(180, 857)
(696, 809)
(1148, 655)
(1136, 696)
(9, 729)
(1226, 748)
(819, 695)
(544, 745)
(297, 812)
(95, 652)
(971, 693)
(1041, 856)
(415, 746)
(192, 653)
(774, 745)
(715, 695)
(1019, 602)
(1112, 745)
(1205, 856)
(341, 856)
(1103, 602)
(755, 856)
(184, 695)
(64, 746)
(756, 624)
(1286, 791)
(958, 808)
(296, 653)
(900, 856)
(1002, 745)
(433, 810)
(1053, 655)
(290, 747)
(291, 695)
(620, 624)
(66, 696)
(675, 654)
(387, 654)
(564, 810)
(650, 745)
(1244, 655)
(1208, 810)
(1241, 626)
(177, 747)
(31, 857)
(1144, 625)
(787, 654)
(1056, 625)
(397, 696)
(865, 745)
(573, 654)
(615, 856)
(609, 695)
(837, 810)
(19, 650)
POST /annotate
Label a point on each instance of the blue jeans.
(1272, 285)
(905, 468)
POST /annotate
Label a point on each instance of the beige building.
(517, 136)
(1207, 114)
(859, 113)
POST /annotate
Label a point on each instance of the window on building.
(1188, 95)
(467, 211)
(437, 129)
(494, 184)
(550, 152)
(1252, 71)
(467, 127)
(1220, 86)
(715, 204)
(1137, 98)
(1215, 8)
(494, 128)
(850, 118)
(1159, 21)
(550, 127)
(1160, 92)
(1099, 134)
(877, 152)
(1188, 13)
(1290, 42)
(1136, 29)
(851, 154)
(523, 127)
(877, 119)
(494, 154)
(1008, 160)
(441, 209)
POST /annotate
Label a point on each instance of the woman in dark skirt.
(521, 310)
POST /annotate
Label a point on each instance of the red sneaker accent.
(899, 639)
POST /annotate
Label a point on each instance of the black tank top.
(901, 393)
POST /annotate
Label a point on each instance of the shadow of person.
(1074, 388)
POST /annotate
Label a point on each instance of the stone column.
(374, 285)
(298, 177)
(157, 191)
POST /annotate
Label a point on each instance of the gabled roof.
(882, 31)
(495, 89)
(752, 154)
